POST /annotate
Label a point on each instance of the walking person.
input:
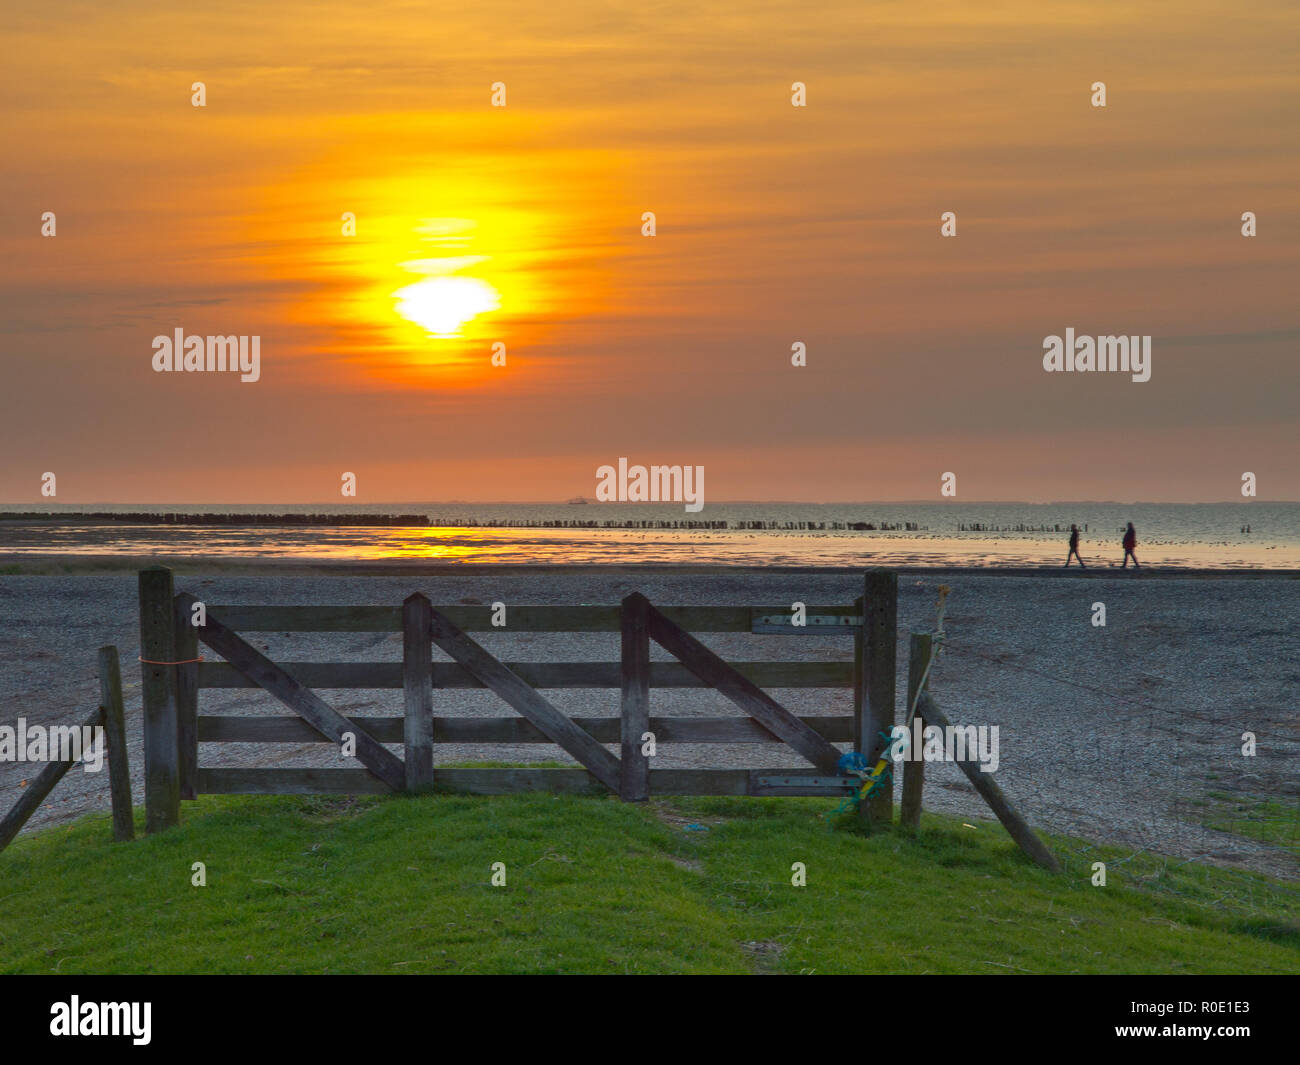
(1074, 548)
(1130, 542)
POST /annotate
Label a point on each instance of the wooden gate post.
(119, 770)
(186, 645)
(909, 814)
(158, 688)
(874, 692)
(417, 679)
(634, 772)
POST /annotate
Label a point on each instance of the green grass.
(594, 885)
(1265, 820)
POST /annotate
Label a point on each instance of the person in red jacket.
(1130, 542)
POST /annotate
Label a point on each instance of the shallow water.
(1006, 534)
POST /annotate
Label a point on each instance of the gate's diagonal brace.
(319, 714)
(41, 786)
(719, 674)
(527, 700)
(1017, 828)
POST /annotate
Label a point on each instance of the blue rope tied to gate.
(855, 764)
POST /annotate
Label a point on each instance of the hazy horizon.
(345, 505)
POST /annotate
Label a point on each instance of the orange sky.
(776, 224)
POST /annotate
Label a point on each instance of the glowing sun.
(443, 305)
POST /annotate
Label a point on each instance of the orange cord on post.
(182, 662)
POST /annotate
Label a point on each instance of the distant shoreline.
(330, 505)
(57, 565)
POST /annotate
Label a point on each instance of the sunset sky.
(775, 224)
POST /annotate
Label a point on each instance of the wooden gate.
(174, 675)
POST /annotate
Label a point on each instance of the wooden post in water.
(185, 639)
(875, 708)
(417, 680)
(634, 769)
(119, 769)
(158, 689)
(909, 814)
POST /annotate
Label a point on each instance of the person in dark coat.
(1074, 548)
(1130, 542)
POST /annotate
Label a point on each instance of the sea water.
(1190, 536)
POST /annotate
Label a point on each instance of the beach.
(1128, 735)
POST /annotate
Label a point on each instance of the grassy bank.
(1253, 817)
(704, 885)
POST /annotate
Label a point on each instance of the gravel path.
(1114, 734)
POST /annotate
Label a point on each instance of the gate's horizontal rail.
(249, 618)
(340, 675)
(509, 781)
(233, 728)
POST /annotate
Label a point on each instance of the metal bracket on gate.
(806, 785)
(784, 623)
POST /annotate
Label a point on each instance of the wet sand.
(51, 544)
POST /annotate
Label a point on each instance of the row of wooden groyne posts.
(424, 520)
(978, 526)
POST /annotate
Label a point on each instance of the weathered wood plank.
(511, 781)
(522, 618)
(34, 794)
(839, 621)
(909, 814)
(578, 781)
(1016, 826)
(635, 716)
(376, 675)
(880, 606)
(328, 721)
(417, 668)
(162, 796)
(741, 691)
(528, 701)
(236, 728)
(186, 644)
(222, 780)
(318, 675)
(764, 782)
(119, 769)
(700, 781)
(243, 618)
(861, 709)
(504, 781)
